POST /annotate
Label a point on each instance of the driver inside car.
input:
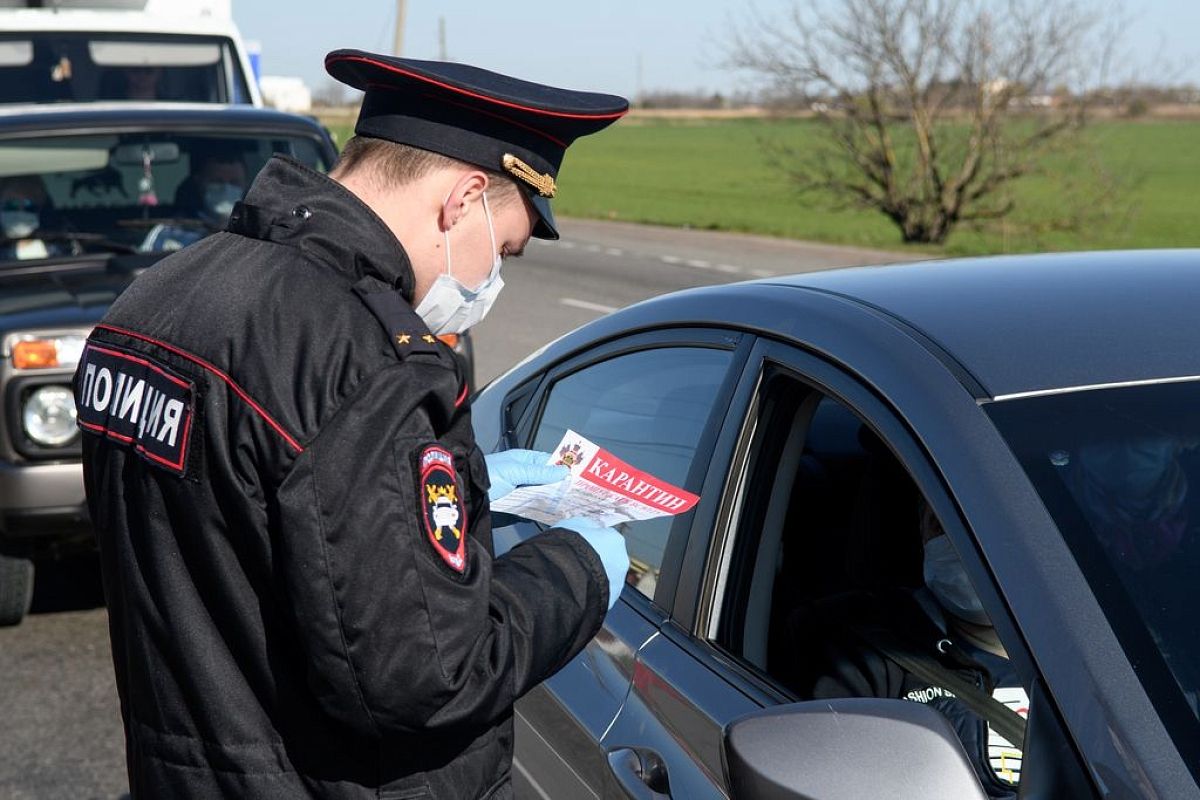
(222, 182)
(217, 182)
(23, 207)
(933, 645)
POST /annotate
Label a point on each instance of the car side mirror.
(847, 749)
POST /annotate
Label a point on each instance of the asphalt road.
(62, 735)
(598, 267)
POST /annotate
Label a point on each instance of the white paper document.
(600, 487)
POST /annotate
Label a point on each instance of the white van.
(187, 51)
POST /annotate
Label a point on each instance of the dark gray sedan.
(1039, 411)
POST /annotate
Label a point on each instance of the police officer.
(291, 508)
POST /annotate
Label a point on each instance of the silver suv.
(90, 196)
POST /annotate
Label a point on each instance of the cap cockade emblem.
(541, 181)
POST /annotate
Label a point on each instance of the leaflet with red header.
(601, 487)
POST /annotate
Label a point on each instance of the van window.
(45, 67)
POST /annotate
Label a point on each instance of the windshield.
(1119, 470)
(129, 192)
(84, 67)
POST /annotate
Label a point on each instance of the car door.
(655, 400)
(666, 740)
(814, 485)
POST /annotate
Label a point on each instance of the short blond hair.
(393, 164)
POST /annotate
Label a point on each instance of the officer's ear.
(465, 192)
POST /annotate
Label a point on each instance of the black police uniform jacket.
(293, 525)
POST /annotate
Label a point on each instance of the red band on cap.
(469, 93)
(473, 110)
(509, 121)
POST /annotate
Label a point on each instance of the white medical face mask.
(947, 579)
(450, 307)
(220, 198)
(19, 224)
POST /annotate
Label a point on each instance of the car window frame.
(520, 432)
(708, 552)
(1060, 763)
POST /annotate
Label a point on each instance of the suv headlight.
(49, 416)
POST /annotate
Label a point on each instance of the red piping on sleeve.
(295, 445)
(461, 397)
(459, 90)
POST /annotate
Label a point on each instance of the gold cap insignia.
(543, 182)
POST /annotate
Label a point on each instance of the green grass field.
(714, 174)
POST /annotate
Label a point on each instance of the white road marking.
(694, 263)
(585, 305)
(699, 263)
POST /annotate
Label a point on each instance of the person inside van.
(24, 205)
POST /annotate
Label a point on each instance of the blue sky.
(615, 46)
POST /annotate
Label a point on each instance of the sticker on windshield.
(1004, 756)
(131, 399)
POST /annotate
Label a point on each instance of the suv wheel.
(16, 589)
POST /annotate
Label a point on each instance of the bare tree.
(931, 108)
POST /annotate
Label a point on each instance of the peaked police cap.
(493, 121)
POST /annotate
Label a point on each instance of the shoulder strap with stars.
(405, 329)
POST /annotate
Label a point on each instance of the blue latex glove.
(509, 469)
(609, 545)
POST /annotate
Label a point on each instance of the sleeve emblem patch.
(137, 402)
(444, 513)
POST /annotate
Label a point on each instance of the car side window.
(649, 408)
(844, 583)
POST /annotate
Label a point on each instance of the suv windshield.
(83, 67)
(128, 192)
(1119, 470)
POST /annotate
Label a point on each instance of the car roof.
(113, 21)
(1042, 323)
(16, 119)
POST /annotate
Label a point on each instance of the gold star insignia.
(428, 338)
(403, 338)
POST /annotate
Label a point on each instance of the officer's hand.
(509, 469)
(609, 545)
